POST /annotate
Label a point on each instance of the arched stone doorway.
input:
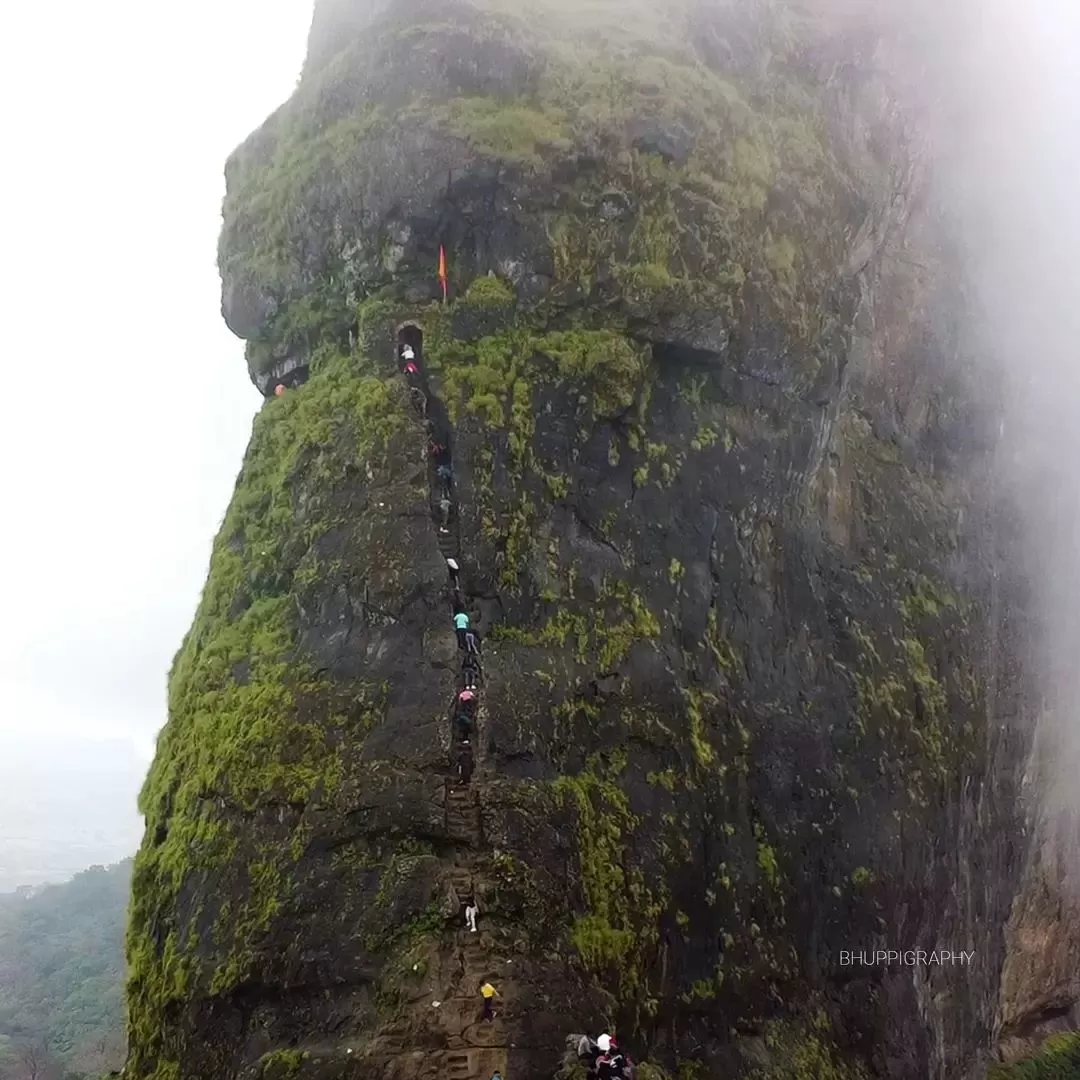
(410, 334)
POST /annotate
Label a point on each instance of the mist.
(993, 91)
(132, 405)
(1006, 88)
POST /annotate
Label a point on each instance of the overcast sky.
(128, 403)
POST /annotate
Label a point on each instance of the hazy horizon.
(127, 423)
(87, 817)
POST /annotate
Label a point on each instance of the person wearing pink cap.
(465, 715)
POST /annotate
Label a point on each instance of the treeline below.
(62, 977)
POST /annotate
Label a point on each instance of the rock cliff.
(753, 689)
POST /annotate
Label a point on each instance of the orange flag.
(442, 271)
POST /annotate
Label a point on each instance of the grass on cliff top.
(760, 192)
(517, 133)
(624, 21)
(234, 732)
(483, 376)
(663, 27)
(279, 175)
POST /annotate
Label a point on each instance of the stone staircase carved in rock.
(474, 1048)
(463, 816)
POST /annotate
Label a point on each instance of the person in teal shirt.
(461, 624)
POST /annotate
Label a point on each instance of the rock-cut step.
(448, 545)
(462, 880)
(473, 1063)
(463, 1028)
(462, 816)
(474, 951)
(489, 1060)
(458, 1065)
(396, 1038)
(476, 1063)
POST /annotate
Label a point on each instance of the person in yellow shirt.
(490, 993)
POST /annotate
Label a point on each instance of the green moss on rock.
(517, 133)
(489, 291)
(619, 928)
(281, 1065)
(1058, 1059)
(240, 732)
(805, 1052)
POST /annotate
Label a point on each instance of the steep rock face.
(726, 522)
(1040, 989)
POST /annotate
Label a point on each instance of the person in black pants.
(465, 763)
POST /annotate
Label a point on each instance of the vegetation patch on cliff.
(1059, 1059)
(240, 729)
(619, 928)
(700, 179)
(805, 1051)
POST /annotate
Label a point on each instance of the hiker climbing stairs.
(463, 1027)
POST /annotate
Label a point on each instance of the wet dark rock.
(246, 308)
(673, 144)
(614, 204)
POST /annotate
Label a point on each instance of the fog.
(128, 405)
(995, 87)
(1008, 90)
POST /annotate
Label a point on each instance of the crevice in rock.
(672, 354)
(594, 534)
(223, 802)
(289, 374)
(380, 616)
(1049, 1018)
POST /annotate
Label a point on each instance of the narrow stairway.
(449, 545)
(475, 1048)
(461, 877)
(463, 816)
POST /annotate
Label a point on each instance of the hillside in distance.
(62, 976)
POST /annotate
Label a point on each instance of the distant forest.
(62, 977)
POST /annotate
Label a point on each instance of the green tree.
(62, 977)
